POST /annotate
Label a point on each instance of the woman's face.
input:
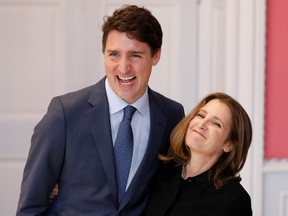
(208, 130)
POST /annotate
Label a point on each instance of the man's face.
(128, 65)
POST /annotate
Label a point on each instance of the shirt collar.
(202, 180)
(116, 103)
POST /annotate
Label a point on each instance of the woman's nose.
(203, 124)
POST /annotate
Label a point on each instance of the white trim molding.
(283, 203)
(231, 58)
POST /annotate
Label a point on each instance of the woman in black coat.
(200, 174)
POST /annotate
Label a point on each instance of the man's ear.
(156, 57)
(227, 147)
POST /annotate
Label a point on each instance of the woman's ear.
(228, 147)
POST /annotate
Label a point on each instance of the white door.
(32, 61)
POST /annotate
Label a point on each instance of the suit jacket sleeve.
(44, 162)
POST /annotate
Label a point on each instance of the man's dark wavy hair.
(138, 23)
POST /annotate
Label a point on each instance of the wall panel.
(31, 72)
(276, 117)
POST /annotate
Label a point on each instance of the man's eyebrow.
(136, 52)
(109, 50)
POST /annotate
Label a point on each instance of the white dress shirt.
(140, 124)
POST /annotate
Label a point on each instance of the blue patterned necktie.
(123, 150)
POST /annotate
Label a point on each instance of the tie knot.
(128, 112)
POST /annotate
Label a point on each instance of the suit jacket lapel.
(99, 120)
(157, 130)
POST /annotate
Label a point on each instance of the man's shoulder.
(79, 93)
(81, 98)
(160, 98)
(84, 93)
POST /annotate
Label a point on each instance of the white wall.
(32, 64)
(49, 47)
(230, 58)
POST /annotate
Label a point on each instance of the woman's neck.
(196, 166)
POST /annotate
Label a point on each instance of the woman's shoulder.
(235, 192)
(168, 171)
(170, 168)
(237, 199)
(235, 185)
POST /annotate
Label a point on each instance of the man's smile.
(126, 80)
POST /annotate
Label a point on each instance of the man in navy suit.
(72, 146)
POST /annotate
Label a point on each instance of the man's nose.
(124, 65)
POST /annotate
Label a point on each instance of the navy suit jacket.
(72, 146)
